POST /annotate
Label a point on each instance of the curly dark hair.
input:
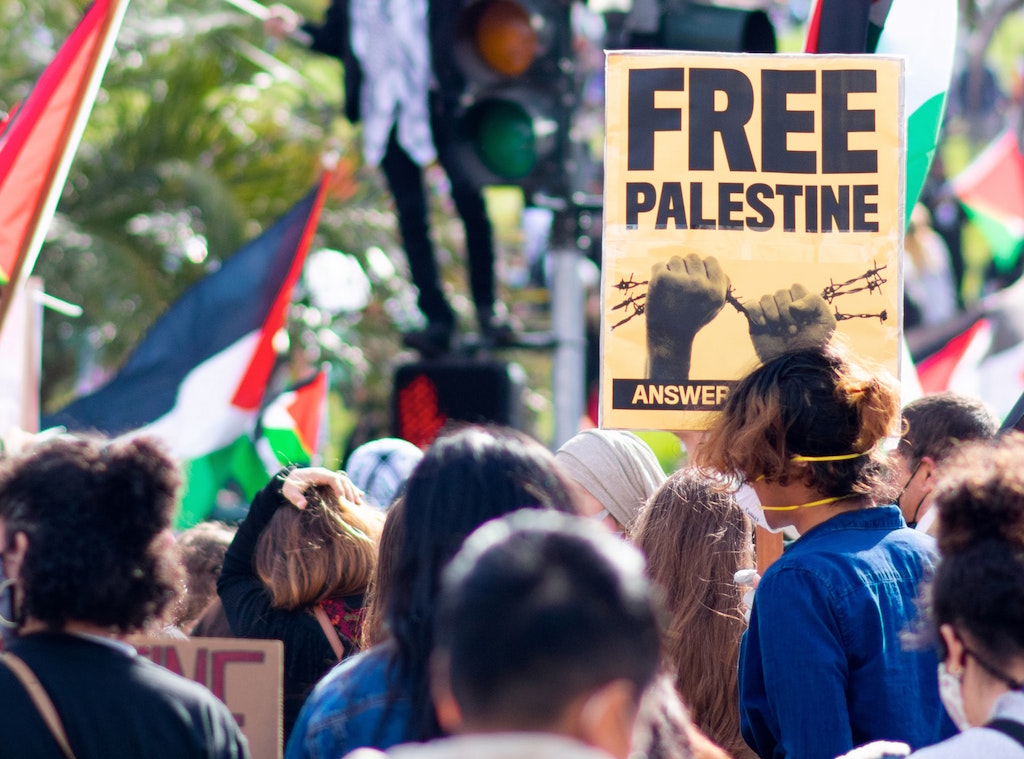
(979, 584)
(97, 515)
(807, 403)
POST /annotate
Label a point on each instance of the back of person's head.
(381, 467)
(96, 514)
(696, 537)
(812, 403)
(538, 612)
(978, 587)
(326, 550)
(201, 550)
(616, 467)
(935, 424)
(465, 479)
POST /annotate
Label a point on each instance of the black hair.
(94, 512)
(935, 424)
(465, 478)
(979, 584)
(539, 608)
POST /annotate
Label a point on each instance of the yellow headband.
(822, 502)
(840, 457)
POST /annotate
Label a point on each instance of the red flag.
(40, 140)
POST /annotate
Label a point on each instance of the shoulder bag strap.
(330, 632)
(1008, 727)
(41, 700)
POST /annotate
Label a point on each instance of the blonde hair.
(807, 403)
(695, 537)
(326, 550)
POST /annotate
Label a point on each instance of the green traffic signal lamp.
(503, 137)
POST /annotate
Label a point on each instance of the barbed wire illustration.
(634, 304)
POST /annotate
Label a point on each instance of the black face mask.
(912, 522)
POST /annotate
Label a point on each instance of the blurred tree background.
(203, 134)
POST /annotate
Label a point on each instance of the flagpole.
(71, 135)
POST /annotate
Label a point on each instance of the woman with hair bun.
(88, 557)
(821, 666)
(976, 600)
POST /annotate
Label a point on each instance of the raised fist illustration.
(790, 320)
(683, 295)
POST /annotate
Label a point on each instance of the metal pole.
(568, 328)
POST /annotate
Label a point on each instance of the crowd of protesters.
(505, 602)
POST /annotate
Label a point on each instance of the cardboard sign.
(247, 675)
(753, 204)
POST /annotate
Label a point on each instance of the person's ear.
(607, 718)
(927, 472)
(954, 648)
(449, 716)
(14, 556)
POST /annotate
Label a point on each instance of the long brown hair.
(695, 537)
(326, 550)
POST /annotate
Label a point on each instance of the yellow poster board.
(753, 204)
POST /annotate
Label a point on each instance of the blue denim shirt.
(348, 709)
(822, 668)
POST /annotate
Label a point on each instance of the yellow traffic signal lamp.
(505, 38)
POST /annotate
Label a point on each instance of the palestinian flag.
(979, 353)
(923, 32)
(198, 377)
(40, 137)
(991, 190)
(292, 426)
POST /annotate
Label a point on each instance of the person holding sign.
(87, 549)
(821, 665)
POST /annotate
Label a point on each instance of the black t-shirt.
(112, 704)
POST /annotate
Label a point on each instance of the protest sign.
(753, 204)
(247, 675)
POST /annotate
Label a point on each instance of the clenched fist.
(683, 295)
(789, 320)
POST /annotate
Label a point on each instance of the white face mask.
(952, 697)
(747, 499)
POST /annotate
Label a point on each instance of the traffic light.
(428, 395)
(519, 94)
(692, 26)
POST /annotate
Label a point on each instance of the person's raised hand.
(789, 320)
(281, 21)
(299, 481)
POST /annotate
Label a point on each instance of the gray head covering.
(381, 467)
(616, 467)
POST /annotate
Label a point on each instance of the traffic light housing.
(429, 395)
(713, 28)
(519, 92)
